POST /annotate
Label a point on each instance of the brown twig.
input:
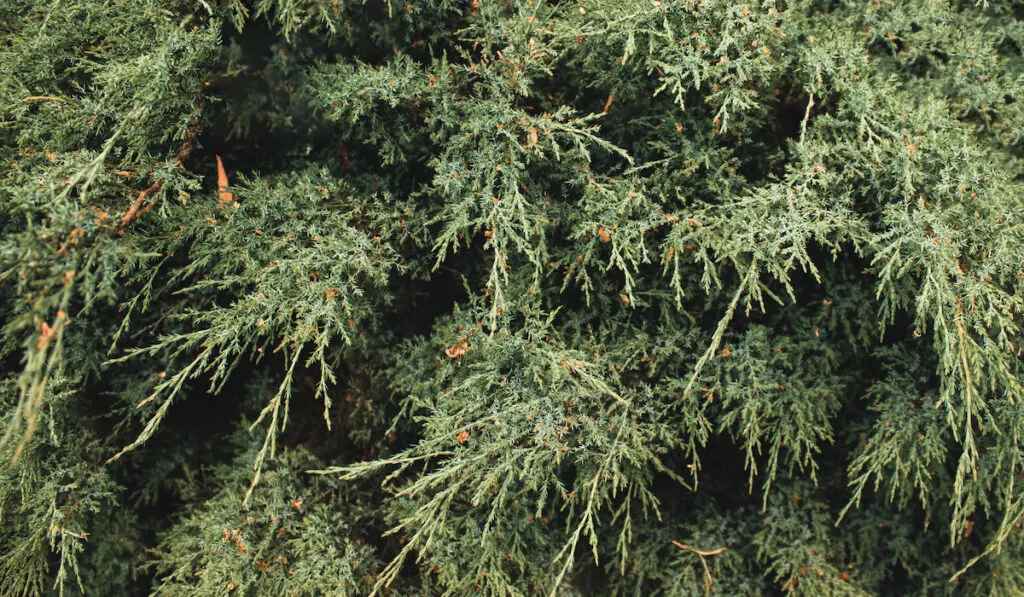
(608, 102)
(41, 98)
(702, 555)
(138, 207)
(223, 194)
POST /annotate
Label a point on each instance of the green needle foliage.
(511, 297)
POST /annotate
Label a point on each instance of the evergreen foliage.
(511, 297)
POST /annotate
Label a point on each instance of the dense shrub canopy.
(511, 297)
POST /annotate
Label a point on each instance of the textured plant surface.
(511, 297)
